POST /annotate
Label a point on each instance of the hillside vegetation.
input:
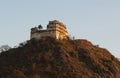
(50, 58)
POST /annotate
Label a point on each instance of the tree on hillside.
(40, 26)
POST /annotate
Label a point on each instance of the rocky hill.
(50, 58)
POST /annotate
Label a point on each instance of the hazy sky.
(95, 20)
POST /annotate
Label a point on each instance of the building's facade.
(55, 29)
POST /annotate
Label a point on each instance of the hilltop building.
(55, 29)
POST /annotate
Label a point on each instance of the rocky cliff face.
(50, 58)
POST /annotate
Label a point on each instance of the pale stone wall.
(35, 35)
(38, 35)
(61, 32)
(61, 35)
(54, 29)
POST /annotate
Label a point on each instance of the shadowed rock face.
(50, 58)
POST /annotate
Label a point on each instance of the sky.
(95, 20)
